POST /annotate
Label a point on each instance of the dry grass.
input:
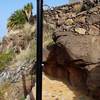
(3, 89)
(47, 34)
(28, 54)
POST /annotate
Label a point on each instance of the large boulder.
(85, 47)
(81, 38)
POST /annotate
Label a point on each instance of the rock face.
(82, 47)
(18, 39)
(75, 56)
(15, 75)
(17, 83)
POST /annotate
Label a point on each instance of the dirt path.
(56, 90)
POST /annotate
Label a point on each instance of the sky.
(7, 7)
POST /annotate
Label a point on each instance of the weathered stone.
(82, 47)
(77, 7)
(94, 30)
(70, 15)
(81, 19)
(60, 22)
(93, 80)
(80, 30)
(69, 22)
(92, 19)
(94, 9)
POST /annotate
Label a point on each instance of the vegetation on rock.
(5, 59)
(28, 10)
(17, 19)
(20, 17)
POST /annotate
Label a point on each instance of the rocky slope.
(71, 53)
(74, 55)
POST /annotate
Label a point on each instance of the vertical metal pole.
(39, 49)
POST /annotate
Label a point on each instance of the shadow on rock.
(60, 66)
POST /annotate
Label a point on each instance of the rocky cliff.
(74, 53)
(71, 50)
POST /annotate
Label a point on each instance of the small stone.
(56, 16)
(60, 22)
(80, 30)
(69, 22)
(80, 19)
(94, 30)
(70, 15)
(77, 7)
(95, 9)
(92, 19)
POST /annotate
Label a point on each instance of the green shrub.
(20, 17)
(5, 58)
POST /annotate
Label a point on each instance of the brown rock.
(93, 80)
(92, 19)
(77, 7)
(94, 30)
(81, 19)
(70, 15)
(80, 30)
(77, 78)
(69, 22)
